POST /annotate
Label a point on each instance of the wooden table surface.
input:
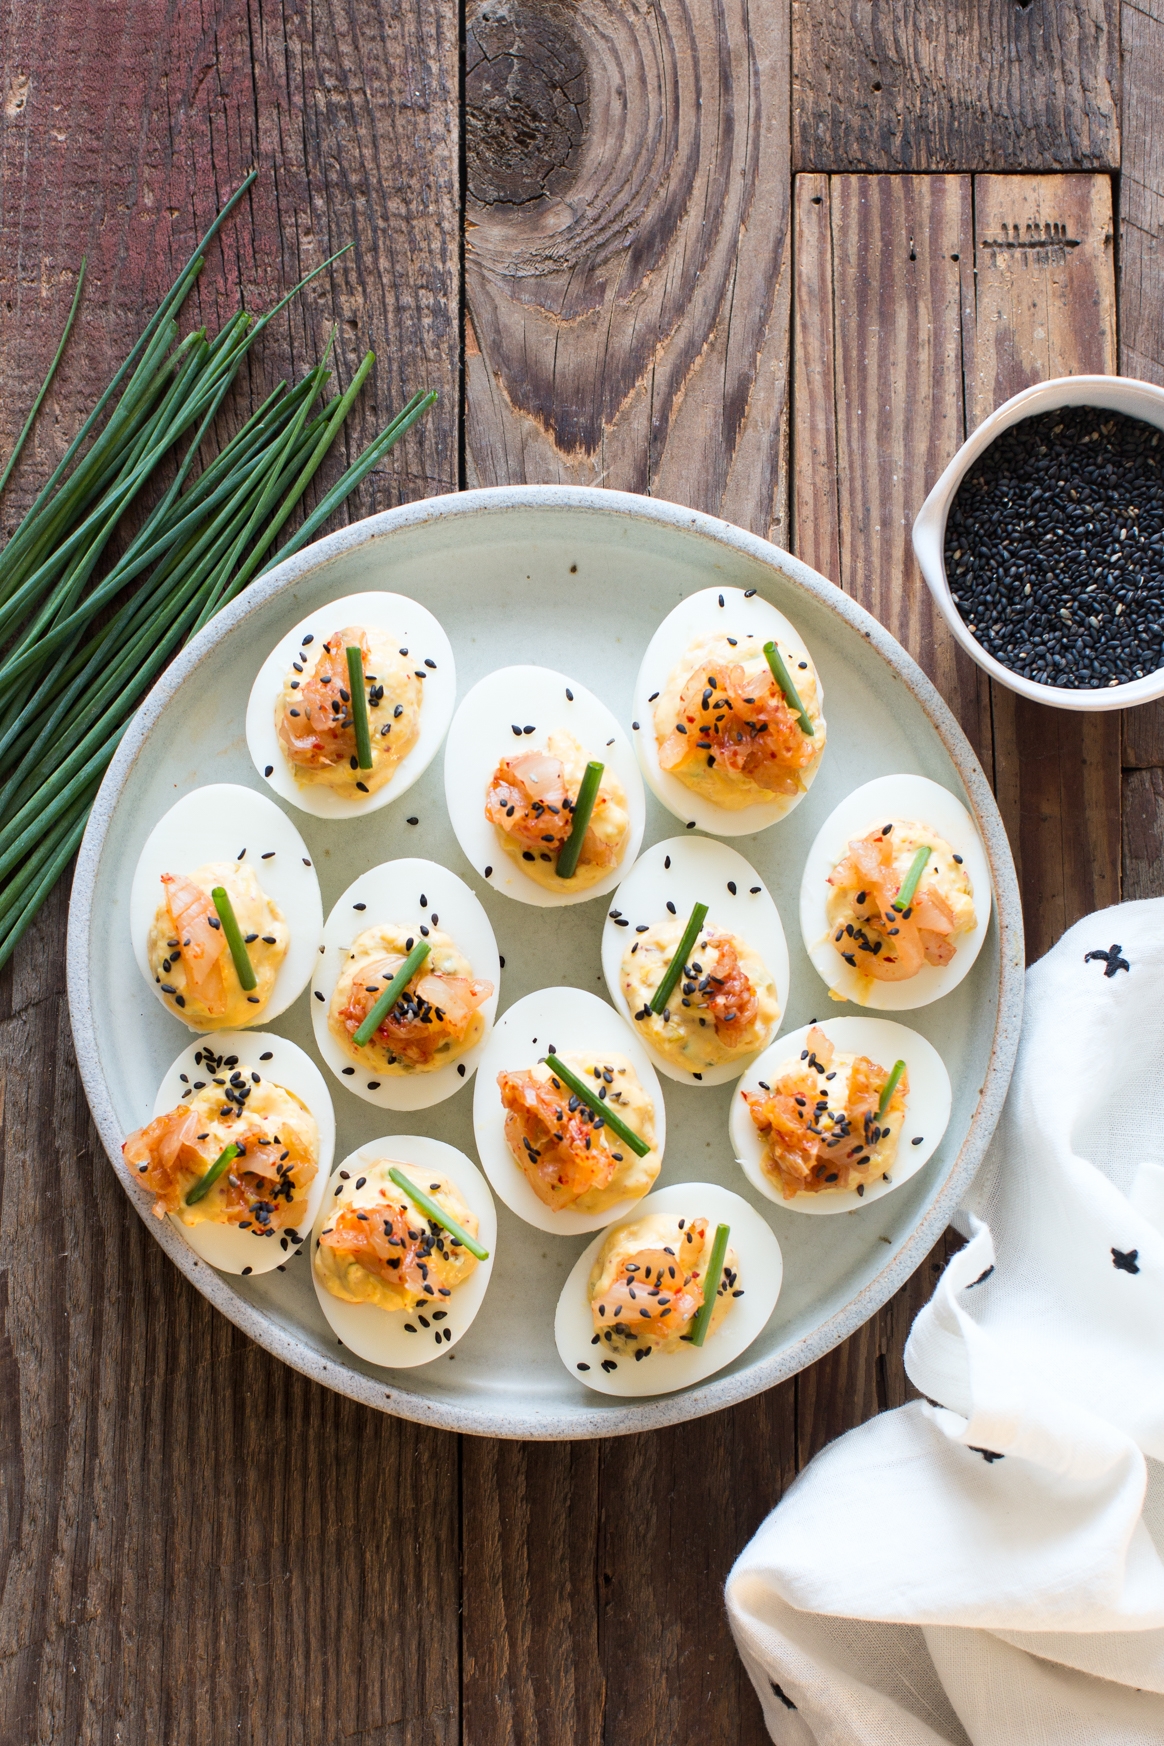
(770, 261)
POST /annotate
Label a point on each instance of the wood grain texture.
(125, 129)
(193, 1537)
(816, 508)
(1046, 284)
(1143, 828)
(626, 253)
(1142, 191)
(884, 277)
(1045, 306)
(955, 84)
(866, 1375)
(1144, 737)
(1142, 354)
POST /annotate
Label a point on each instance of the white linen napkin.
(987, 1565)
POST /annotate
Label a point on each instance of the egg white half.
(561, 1019)
(761, 1269)
(483, 733)
(226, 822)
(920, 801)
(417, 631)
(389, 893)
(712, 612)
(701, 870)
(927, 1112)
(285, 1064)
(380, 1335)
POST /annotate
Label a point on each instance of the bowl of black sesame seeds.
(1043, 543)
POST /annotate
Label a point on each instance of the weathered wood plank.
(593, 1579)
(816, 510)
(193, 1540)
(123, 134)
(883, 276)
(1046, 285)
(1144, 737)
(1141, 275)
(533, 1596)
(866, 1375)
(1143, 838)
(1142, 191)
(626, 258)
(1049, 311)
(955, 84)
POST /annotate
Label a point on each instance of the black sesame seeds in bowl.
(1043, 543)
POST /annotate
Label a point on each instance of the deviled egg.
(219, 962)
(400, 1271)
(309, 734)
(633, 1318)
(727, 996)
(728, 713)
(838, 1114)
(567, 1151)
(542, 787)
(895, 898)
(239, 1149)
(428, 1040)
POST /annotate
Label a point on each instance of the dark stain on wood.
(526, 108)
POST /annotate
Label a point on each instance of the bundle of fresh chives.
(77, 655)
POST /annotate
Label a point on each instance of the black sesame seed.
(1055, 548)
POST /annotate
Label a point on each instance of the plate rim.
(481, 1417)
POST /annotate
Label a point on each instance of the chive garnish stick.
(600, 1107)
(205, 1183)
(674, 969)
(783, 678)
(234, 939)
(890, 1086)
(909, 885)
(434, 1211)
(711, 1281)
(359, 708)
(584, 805)
(392, 993)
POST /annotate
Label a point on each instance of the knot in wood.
(525, 99)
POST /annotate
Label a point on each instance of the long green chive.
(783, 678)
(432, 1210)
(392, 993)
(675, 968)
(224, 909)
(583, 807)
(890, 1086)
(47, 383)
(909, 884)
(599, 1105)
(711, 1279)
(77, 657)
(205, 1183)
(359, 708)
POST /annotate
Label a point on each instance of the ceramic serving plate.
(578, 580)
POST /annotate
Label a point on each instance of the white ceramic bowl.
(1113, 394)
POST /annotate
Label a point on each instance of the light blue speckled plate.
(578, 580)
